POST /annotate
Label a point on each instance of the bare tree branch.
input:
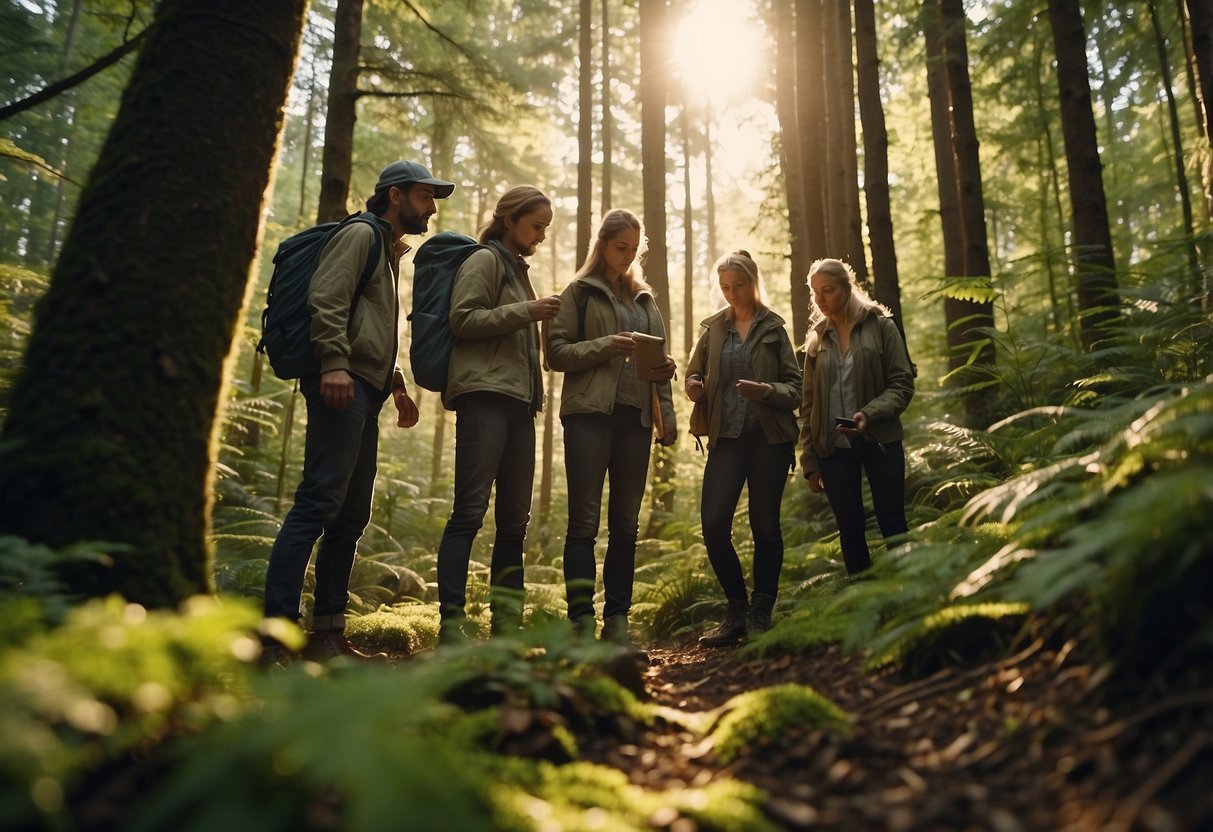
(62, 86)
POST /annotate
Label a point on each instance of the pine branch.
(73, 80)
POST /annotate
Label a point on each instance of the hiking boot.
(584, 627)
(327, 645)
(615, 630)
(730, 631)
(274, 655)
(761, 606)
(453, 632)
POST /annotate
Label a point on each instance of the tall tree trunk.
(112, 428)
(1200, 101)
(337, 159)
(607, 161)
(1181, 178)
(1098, 297)
(960, 195)
(585, 137)
(1200, 13)
(885, 281)
(309, 125)
(843, 188)
(782, 23)
(810, 117)
(709, 190)
(654, 72)
(688, 234)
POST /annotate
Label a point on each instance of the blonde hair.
(859, 303)
(741, 261)
(514, 203)
(615, 222)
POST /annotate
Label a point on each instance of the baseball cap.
(402, 172)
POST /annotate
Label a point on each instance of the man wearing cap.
(358, 371)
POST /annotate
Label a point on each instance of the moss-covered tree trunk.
(110, 434)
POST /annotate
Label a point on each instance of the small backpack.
(286, 322)
(434, 268)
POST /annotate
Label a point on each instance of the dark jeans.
(597, 446)
(842, 471)
(333, 500)
(494, 442)
(748, 459)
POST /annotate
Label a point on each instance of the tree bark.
(688, 234)
(111, 434)
(585, 136)
(606, 107)
(654, 72)
(337, 158)
(1181, 178)
(886, 284)
(842, 201)
(960, 195)
(782, 23)
(1098, 297)
(810, 117)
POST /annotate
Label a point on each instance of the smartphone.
(840, 422)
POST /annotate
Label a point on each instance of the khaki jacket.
(772, 360)
(884, 383)
(366, 345)
(581, 350)
(498, 347)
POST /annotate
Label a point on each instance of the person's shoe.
(730, 631)
(761, 606)
(453, 632)
(274, 655)
(615, 630)
(584, 627)
(327, 645)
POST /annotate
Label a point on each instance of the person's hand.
(754, 389)
(622, 343)
(337, 389)
(543, 309)
(664, 371)
(406, 409)
(816, 483)
(694, 388)
(861, 424)
(669, 435)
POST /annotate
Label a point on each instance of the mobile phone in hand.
(840, 422)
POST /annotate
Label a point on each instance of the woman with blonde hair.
(744, 374)
(495, 387)
(609, 411)
(858, 380)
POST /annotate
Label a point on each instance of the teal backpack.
(435, 265)
(286, 322)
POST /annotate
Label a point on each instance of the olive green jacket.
(498, 346)
(772, 360)
(581, 349)
(367, 344)
(881, 372)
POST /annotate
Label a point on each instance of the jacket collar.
(765, 318)
(597, 281)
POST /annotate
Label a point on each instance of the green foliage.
(32, 593)
(770, 714)
(111, 679)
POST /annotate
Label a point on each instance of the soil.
(1035, 741)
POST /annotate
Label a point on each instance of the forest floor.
(1025, 743)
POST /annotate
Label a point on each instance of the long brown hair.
(514, 203)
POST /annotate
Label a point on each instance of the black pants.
(747, 460)
(841, 472)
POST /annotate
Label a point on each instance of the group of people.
(743, 377)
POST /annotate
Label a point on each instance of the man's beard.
(412, 223)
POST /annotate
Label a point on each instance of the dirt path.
(1020, 744)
